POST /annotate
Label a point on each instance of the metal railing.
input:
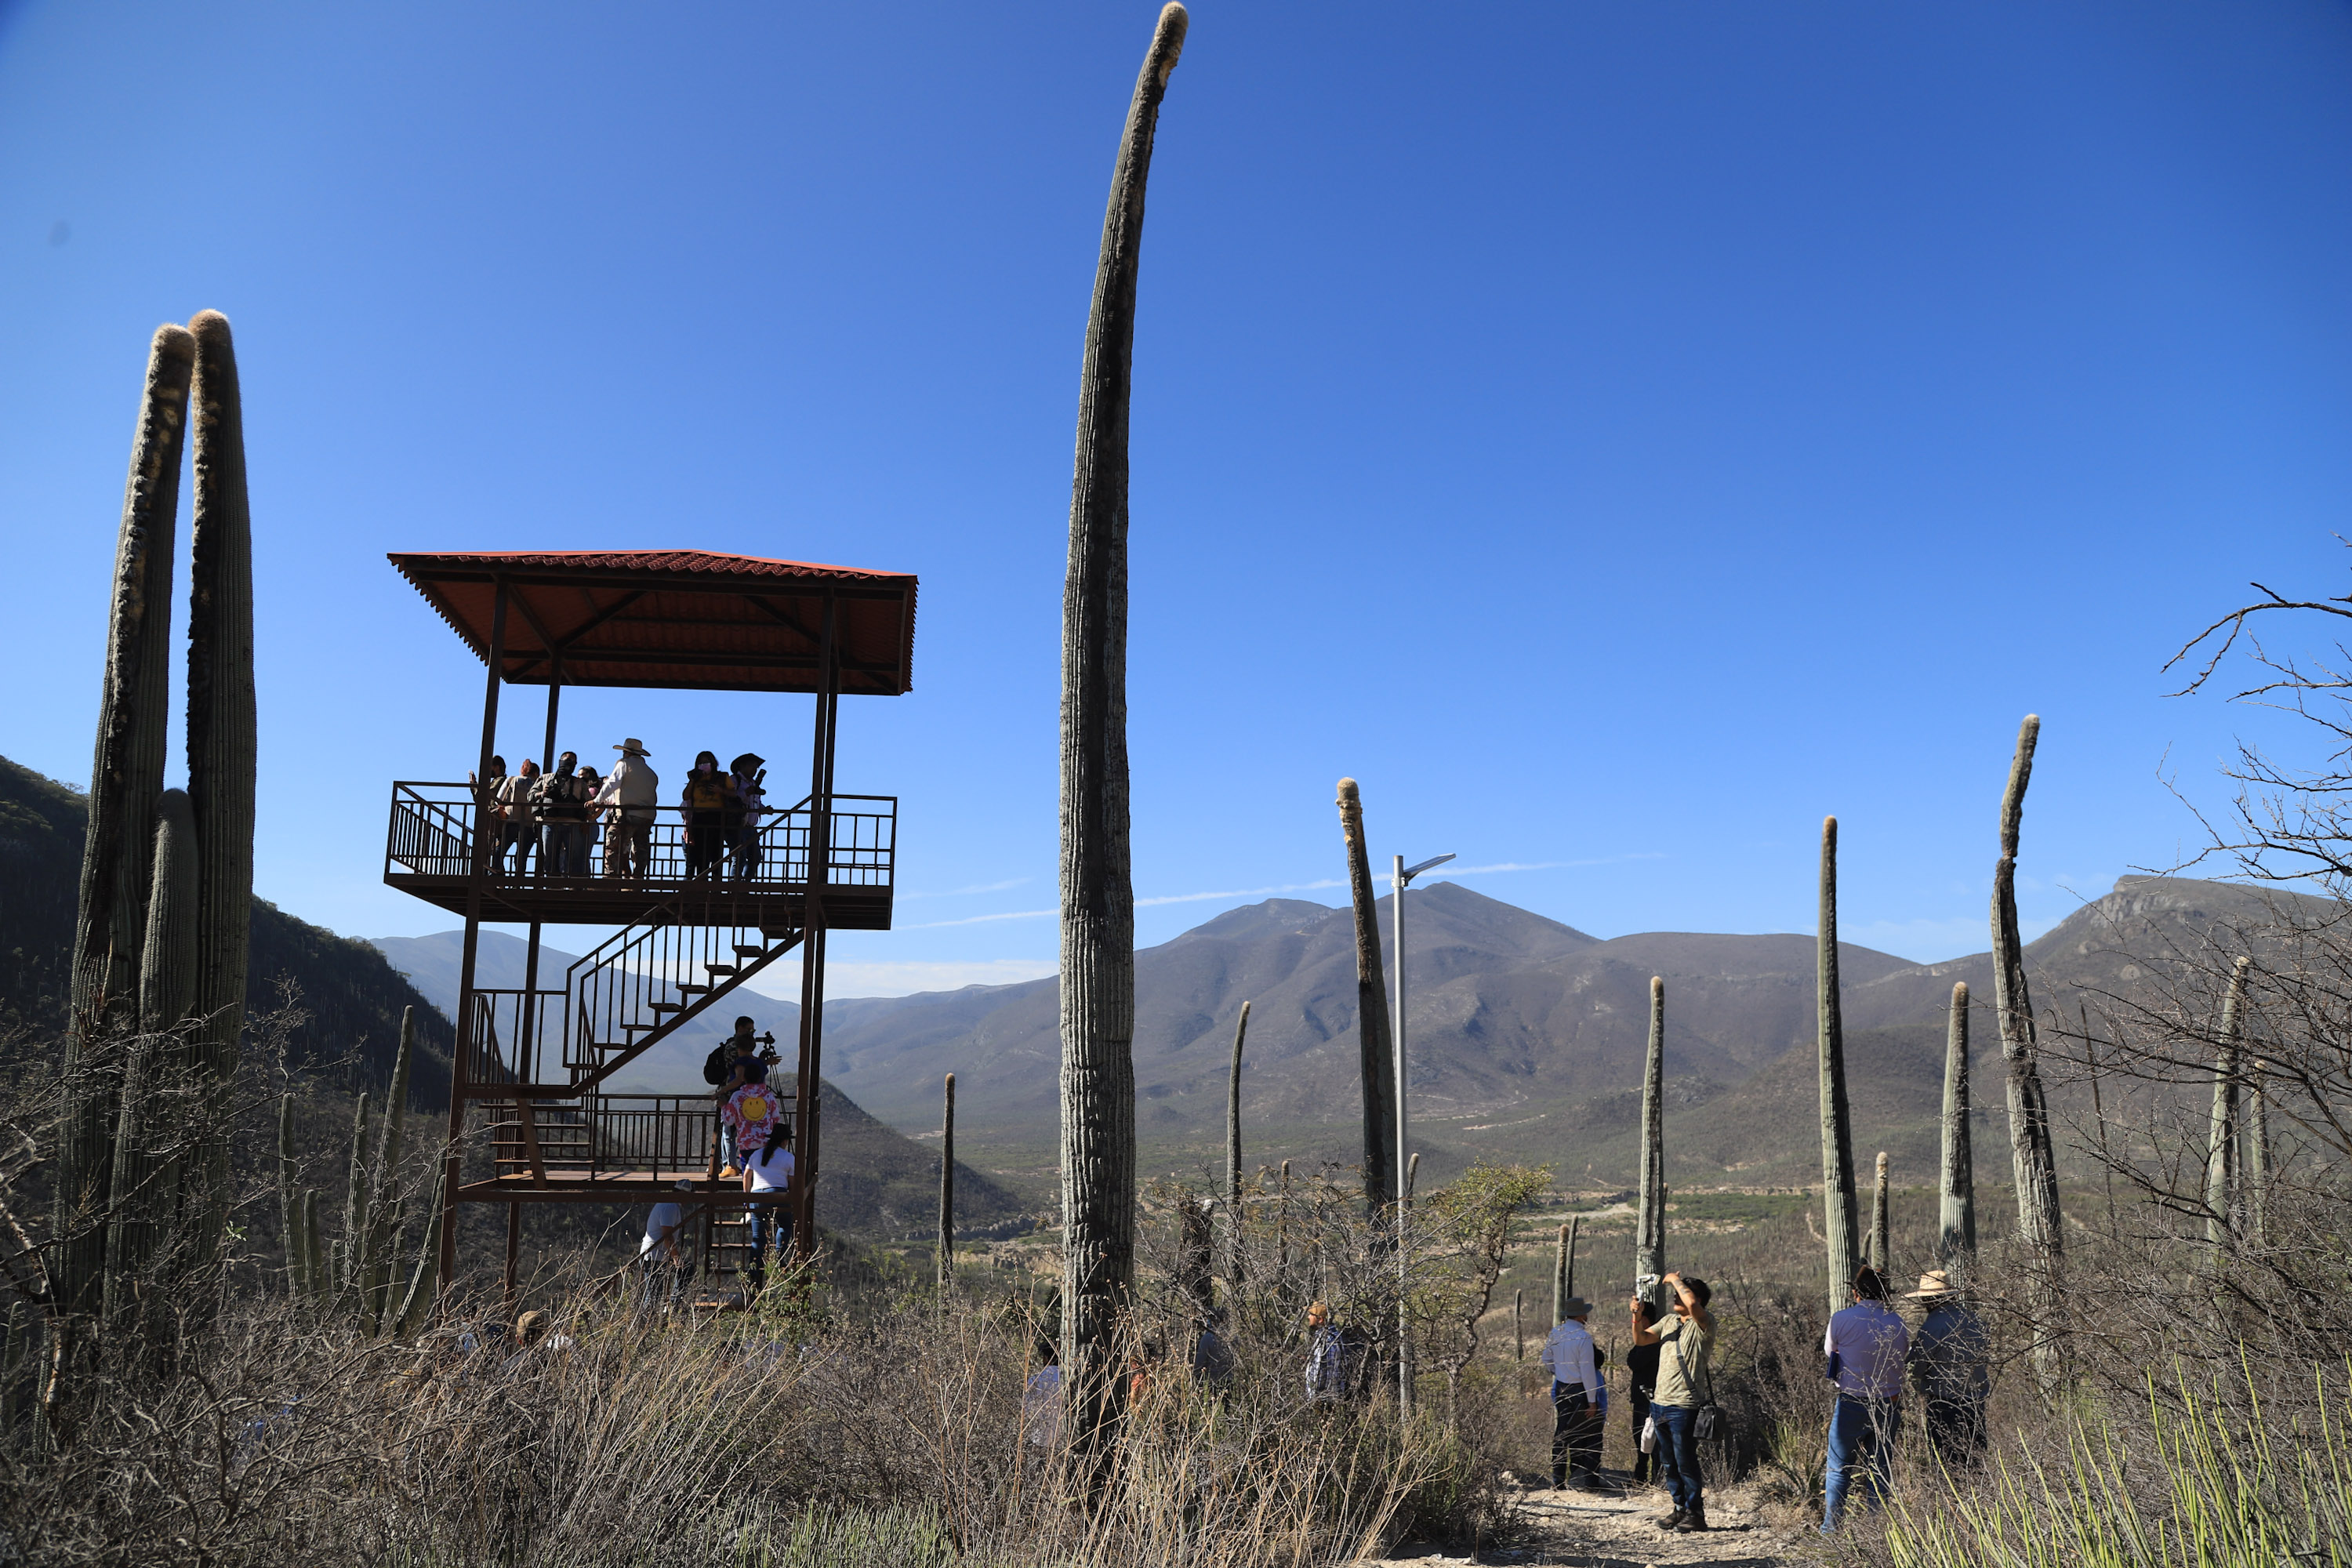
(604, 1136)
(509, 1041)
(654, 975)
(431, 833)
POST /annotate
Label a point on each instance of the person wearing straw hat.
(631, 791)
(1951, 1366)
(1580, 1400)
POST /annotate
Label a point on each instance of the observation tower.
(531, 1116)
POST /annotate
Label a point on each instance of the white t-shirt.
(772, 1172)
(1569, 1354)
(661, 1217)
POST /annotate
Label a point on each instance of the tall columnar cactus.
(1235, 1262)
(142, 1183)
(221, 733)
(1374, 1046)
(2222, 1174)
(1098, 892)
(2258, 1155)
(1839, 1231)
(379, 1230)
(289, 1200)
(1563, 1272)
(1956, 1243)
(947, 1189)
(126, 777)
(1881, 1252)
(1650, 1205)
(2032, 1149)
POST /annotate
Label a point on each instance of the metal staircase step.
(720, 968)
(660, 1008)
(742, 951)
(690, 989)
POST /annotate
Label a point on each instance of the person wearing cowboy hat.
(631, 791)
(1951, 1364)
(1580, 1400)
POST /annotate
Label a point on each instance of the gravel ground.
(1578, 1529)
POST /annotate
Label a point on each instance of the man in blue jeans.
(1686, 1340)
(1867, 1346)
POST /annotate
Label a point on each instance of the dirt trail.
(1578, 1529)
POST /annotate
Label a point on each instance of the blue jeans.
(772, 1228)
(563, 849)
(1861, 1445)
(1678, 1454)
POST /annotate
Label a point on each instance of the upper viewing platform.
(761, 877)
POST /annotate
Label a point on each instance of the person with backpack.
(768, 1179)
(1579, 1401)
(1326, 1357)
(708, 799)
(559, 801)
(1684, 1389)
(746, 1118)
(1865, 1350)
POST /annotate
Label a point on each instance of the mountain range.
(1527, 1037)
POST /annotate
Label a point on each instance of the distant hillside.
(351, 995)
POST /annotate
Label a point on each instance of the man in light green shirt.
(1685, 1341)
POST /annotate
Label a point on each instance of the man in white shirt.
(660, 1256)
(1579, 1401)
(631, 791)
(1867, 1346)
(768, 1178)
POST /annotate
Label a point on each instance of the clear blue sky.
(1617, 435)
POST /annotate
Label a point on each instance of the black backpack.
(719, 1064)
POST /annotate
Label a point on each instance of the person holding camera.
(1685, 1341)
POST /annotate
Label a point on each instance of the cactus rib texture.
(126, 777)
(1650, 1205)
(1374, 1045)
(2221, 1154)
(1839, 1235)
(1097, 893)
(1956, 1244)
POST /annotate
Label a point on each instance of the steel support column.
(460, 1080)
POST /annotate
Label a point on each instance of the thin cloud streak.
(965, 892)
(1548, 865)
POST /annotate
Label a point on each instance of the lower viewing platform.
(609, 1148)
(603, 873)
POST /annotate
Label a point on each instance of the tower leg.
(514, 1253)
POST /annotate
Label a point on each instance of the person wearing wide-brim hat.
(1951, 1364)
(632, 791)
(743, 819)
(1580, 1400)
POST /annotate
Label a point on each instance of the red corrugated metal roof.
(674, 617)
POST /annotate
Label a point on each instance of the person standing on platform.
(747, 773)
(706, 801)
(521, 827)
(768, 1178)
(1866, 1347)
(749, 1116)
(1579, 1401)
(559, 800)
(592, 816)
(629, 796)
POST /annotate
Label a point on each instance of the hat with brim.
(633, 747)
(1934, 1282)
(1574, 1307)
(748, 762)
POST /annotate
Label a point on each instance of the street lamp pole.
(1401, 877)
